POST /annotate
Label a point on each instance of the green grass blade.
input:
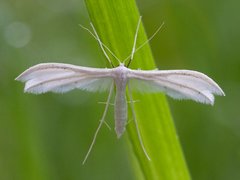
(115, 22)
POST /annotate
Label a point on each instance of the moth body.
(120, 108)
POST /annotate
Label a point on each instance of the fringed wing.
(179, 84)
(60, 78)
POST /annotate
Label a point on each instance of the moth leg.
(108, 126)
(112, 104)
(136, 124)
(100, 124)
(133, 101)
(128, 122)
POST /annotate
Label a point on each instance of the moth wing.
(179, 84)
(60, 78)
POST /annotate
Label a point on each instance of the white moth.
(60, 78)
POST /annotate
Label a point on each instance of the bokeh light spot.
(17, 34)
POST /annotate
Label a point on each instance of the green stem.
(116, 22)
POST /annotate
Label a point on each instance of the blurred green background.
(46, 136)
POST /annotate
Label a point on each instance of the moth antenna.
(100, 124)
(101, 46)
(136, 124)
(135, 41)
(105, 46)
(147, 41)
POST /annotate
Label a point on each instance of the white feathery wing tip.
(60, 78)
(179, 84)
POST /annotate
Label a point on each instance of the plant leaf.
(115, 22)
